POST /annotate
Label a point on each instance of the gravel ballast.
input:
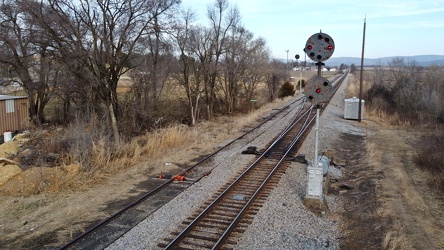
(283, 222)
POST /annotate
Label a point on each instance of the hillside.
(422, 60)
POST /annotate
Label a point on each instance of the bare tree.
(274, 78)
(112, 31)
(156, 68)
(235, 65)
(149, 77)
(221, 23)
(245, 65)
(201, 52)
(67, 65)
(187, 39)
(257, 66)
(28, 54)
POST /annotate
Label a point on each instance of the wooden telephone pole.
(360, 79)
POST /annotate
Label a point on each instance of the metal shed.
(13, 113)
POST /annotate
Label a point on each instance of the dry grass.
(162, 141)
(411, 208)
(352, 86)
(54, 201)
(86, 155)
(412, 212)
(153, 144)
(430, 158)
(382, 117)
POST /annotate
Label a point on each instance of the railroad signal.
(318, 90)
(319, 47)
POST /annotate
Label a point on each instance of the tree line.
(76, 52)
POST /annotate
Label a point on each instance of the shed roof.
(10, 97)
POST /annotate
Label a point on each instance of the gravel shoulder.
(284, 222)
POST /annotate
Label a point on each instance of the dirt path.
(390, 206)
(416, 216)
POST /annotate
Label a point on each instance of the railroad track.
(161, 191)
(232, 209)
(107, 231)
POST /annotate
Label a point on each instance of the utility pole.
(300, 80)
(300, 73)
(362, 68)
(288, 75)
(305, 62)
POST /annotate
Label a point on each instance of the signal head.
(319, 47)
(318, 91)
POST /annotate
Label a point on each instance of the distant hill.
(422, 60)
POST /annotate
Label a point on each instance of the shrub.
(299, 82)
(381, 99)
(431, 159)
(287, 89)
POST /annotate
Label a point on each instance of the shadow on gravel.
(361, 228)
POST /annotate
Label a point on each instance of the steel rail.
(233, 224)
(201, 215)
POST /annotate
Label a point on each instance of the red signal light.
(330, 47)
(318, 90)
(309, 47)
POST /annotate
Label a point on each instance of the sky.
(393, 27)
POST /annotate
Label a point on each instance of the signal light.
(318, 90)
(319, 47)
